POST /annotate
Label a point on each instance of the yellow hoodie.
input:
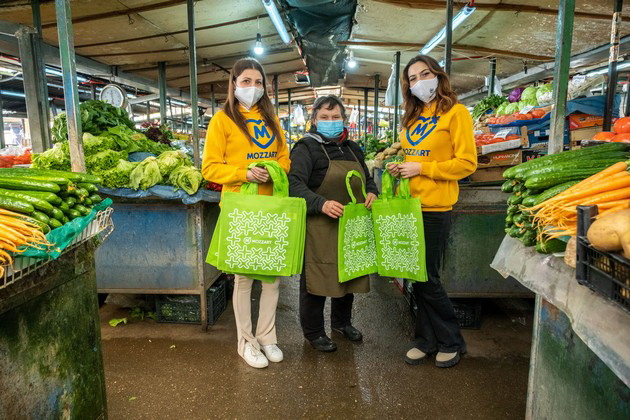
(445, 146)
(228, 151)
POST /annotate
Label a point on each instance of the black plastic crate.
(603, 272)
(467, 311)
(186, 309)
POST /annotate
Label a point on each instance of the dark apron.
(320, 257)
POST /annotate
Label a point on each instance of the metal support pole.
(194, 103)
(612, 65)
(275, 93)
(289, 120)
(93, 91)
(148, 111)
(162, 86)
(41, 68)
(376, 86)
(493, 74)
(38, 123)
(449, 37)
(566, 12)
(70, 86)
(396, 93)
(2, 143)
(212, 100)
(359, 122)
(365, 123)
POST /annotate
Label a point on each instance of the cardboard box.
(499, 147)
(488, 174)
(578, 121)
(584, 134)
(532, 154)
(504, 158)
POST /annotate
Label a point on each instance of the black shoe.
(324, 344)
(349, 332)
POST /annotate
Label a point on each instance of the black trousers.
(436, 324)
(312, 311)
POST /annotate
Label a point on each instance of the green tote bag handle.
(278, 178)
(349, 187)
(388, 187)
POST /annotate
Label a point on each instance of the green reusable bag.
(356, 245)
(260, 236)
(399, 232)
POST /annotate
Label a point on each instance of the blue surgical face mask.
(330, 129)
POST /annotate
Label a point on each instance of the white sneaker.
(273, 353)
(254, 357)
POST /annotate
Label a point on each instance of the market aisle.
(175, 371)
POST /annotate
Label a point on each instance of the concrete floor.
(176, 371)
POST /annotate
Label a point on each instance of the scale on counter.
(115, 95)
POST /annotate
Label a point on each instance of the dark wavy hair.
(446, 97)
(231, 107)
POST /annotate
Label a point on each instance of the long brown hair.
(445, 96)
(231, 107)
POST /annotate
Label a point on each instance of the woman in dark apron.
(319, 164)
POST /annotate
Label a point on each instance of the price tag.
(579, 79)
(527, 109)
(503, 133)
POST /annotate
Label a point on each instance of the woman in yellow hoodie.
(247, 130)
(438, 142)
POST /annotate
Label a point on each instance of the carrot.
(612, 210)
(603, 197)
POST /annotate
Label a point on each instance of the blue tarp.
(165, 191)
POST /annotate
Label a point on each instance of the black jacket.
(309, 165)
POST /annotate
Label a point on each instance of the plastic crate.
(605, 273)
(468, 314)
(186, 309)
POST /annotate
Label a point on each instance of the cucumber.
(526, 194)
(73, 214)
(91, 188)
(78, 192)
(16, 204)
(550, 246)
(8, 173)
(512, 210)
(42, 226)
(529, 239)
(573, 155)
(65, 219)
(553, 179)
(518, 187)
(52, 198)
(514, 199)
(518, 219)
(509, 219)
(38, 215)
(514, 232)
(552, 192)
(508, 186)
(71, 176)
(87, 202)
(54, 223)
(57, 214)
(569, 166)
(96, 198)
(37, 203)
(63, 207)
(70, 201)
(82, 209)
(28, 184)
(529, 200)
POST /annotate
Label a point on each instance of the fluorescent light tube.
(275, 17)
(439, 37)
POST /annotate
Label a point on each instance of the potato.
(570, 254)
(390, 152)
(611, 233)
(378, 163)
(379, 156)
(397, 145)
(401, 153)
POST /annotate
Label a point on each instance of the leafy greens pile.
(96, 117)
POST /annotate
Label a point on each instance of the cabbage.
(188, 178)
(515, 95)
(146, 174)
(501, 109)
(526, 103)
(169, 161)
(544, 94)
(118, 176)
(511, 108)
(529, 93)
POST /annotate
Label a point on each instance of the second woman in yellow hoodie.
(438, 142)
(247, 130)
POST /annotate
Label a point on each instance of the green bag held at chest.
(399, 232)
(259, 236)
(356, 244)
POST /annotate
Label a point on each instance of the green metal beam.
(163, 93)
(70, 85)
(566, 14)
(448, 47)
(192, 57)
(611, 90)
(275, 93)
(289, 120)
(396, 93)
(365, 124)
(375, 122)
(493, 75)
(214, 102)
(41, 68)
(2, 143)
(359, 122)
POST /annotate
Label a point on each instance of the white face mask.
(425, 90)
(248, 96)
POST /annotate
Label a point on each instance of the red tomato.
(604, 136)
(509, 119)
(538, 113)
(492, 120)
(622, 125)
(513, 137)
(622, 138)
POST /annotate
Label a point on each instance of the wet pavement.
(177, 371)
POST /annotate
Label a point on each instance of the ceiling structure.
(134, 35)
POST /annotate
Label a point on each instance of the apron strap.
(349, 148)
(324, 149)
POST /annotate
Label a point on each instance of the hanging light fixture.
(351, 62)
(275, 17)
(439, 37)
(258, 48)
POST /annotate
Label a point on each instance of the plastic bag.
(391, 89)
